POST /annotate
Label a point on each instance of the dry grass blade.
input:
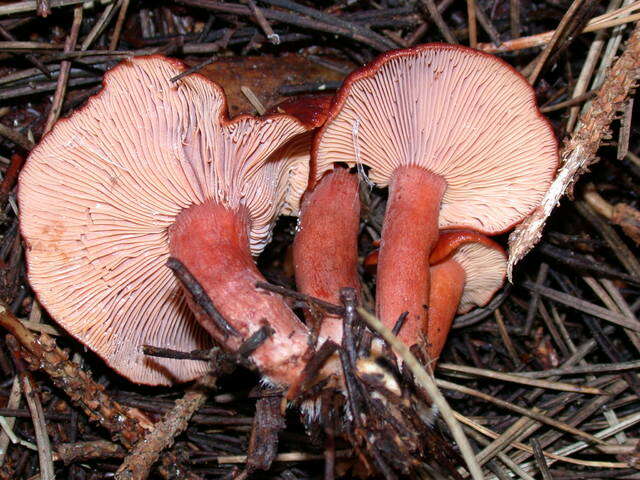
(517, 378)
(608, 20)
(526, 448)
(558, 32)
(426, 381)
(540, 461)
(65, 68)
(430, 5)
(584, 306)
(565, 427)
(584, 369)
(32, 398)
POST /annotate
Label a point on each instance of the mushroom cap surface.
(484, 263)
(457, 112)
(100, 191)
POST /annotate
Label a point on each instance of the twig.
(86, 451)
(625, 130)
(439, 21)
(557, 34)
(518, 378)
(568, 103)
(16, 137)
(471, 20)
(18, 47)
(580, 150)
(486, 24)
(528, 450)
(514, 18)
(256, 339)
(355, 29)
(99, 26)
(203, 355)
(542, 464)
(12, 402)
(286, 457)
(65, 67)
(607, 20)
(32, 58)
(195, 68)
(334, 26)
(148, 449)
(122, 14)
(47, 471)
(585, 264)
(200, 297)
(427, 382)
(267, 424)
(308, 299)
(32, 6)
(263, 23)
(128, 425)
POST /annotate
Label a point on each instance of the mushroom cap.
(457, 112)
(99, 192)
(484, 263)
(312, 111)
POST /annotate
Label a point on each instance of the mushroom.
(147, 170)
(325, 248)
(456, 136)
(467, 269)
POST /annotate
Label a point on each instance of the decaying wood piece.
(84, 451)
(267, 424)
(138, 463)
(127, 425)
(579, 151)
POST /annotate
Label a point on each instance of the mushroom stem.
(447, 285)
(212, 242)
(409, 233)
(325, 250)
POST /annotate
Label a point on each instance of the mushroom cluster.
(152, 176)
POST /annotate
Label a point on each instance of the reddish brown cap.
(457, 112)
(484, 263)
(311, 110)
(99, 192)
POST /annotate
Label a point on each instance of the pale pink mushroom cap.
(457, 112)
(484, 269)
(100, 191)
(484, 263)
